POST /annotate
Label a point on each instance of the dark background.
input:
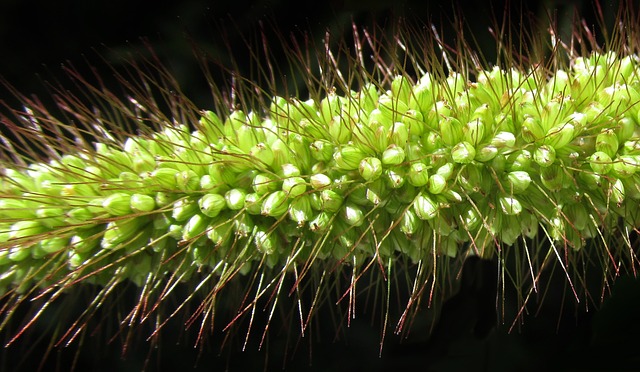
(37, 37)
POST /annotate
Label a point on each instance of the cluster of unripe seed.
(418, 170)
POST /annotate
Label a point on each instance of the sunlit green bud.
(50, 216)
(320, 181)
(262, 153)
(544, 155)
(625, 166)
(16, 208)
(437, 184)
(19, 253)
(195, 227)
(418, 174)
(243, 225)
(54, 244)
(532, 129)
(414, 121)
(560, 135)
(118, 204)
(220, 234)
(163, 199)
(187, 181)
(300, 210)
(184, 209)
(631, 147)
(607, 142)
(24, 229)
(120, 231)
(348, 157)
(352, 214)
(510, 206)
(446, 170)
(275, 204)
(503, 139)
(142, 203)
(393, 155)
(340, 128)
(552, 177)
(486, 153)
(375, 193)
(331, 201)
(463, 153)
(518, 181)
(175, 231)
(625, 129)
(330, 106)
(234, 199)
(294, 186)
(321, 222)
(401, 88)
(473, 132)
(370, 169)
(450, 130)
(425, 207)
(399, 134)
(265, 241)
(471, 219)
(391, 108)
(77, 189)
(409, 223)
(394, 177)
(617, 193)
(520, 160)
(322, 150)
(211, 204)
(264, 183)
(600, 162)
(165, 178)
(77, 216)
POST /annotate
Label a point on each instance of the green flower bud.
(234, 199)
(321, 222)
(25, 229)
(560, 135)
(352, 214)
(253, 203)
(220, 234)
(518, 181)
(409, 223)
(446, 170)
(463, 153)
(418, 174)
(600, 162)
(370, 168)
(265, 242)
(262, 153)
(212, 204)
(51, 217)
(118, 204)
(320, 181)
(187, 181)
(165, 178)
(425, 207)
(625, 166)
(77, 216)
(503, 139)
(264, 183)
(294, 186)
(394, 177)
(393, 155)
(195, 227)
(276, 204)
(348, 157)
(184, 209)
(607, 142)
(450, 131)
(120, 231)
(437, 184)
(552, 178)
(473, 132)
(486, 153)
(519, 160)
(142, 203)
(617, 193)
(544, 155)
(54, 244)
(300, 210)
(510, 206)
(321, 150)
(331, 200)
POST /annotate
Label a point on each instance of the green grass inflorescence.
(404, 169)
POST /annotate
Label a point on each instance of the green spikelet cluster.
(425, 165)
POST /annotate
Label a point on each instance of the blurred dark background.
(36, 37)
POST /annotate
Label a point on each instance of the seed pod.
(560, 135)
(607, 142)
(321, 222)
(518, 181)
(294, 186)
(253, 203)
(142, 203)
(393, 155)
(262, 153)
(503, 140)
(473, 132)
(463, 153)
(625, 166)
(348, 157)
(600, 162)
(120, 231)
(220, 234)
(195, 227)
(450, 131)
(352, 214)
(321, 150)
(118, 204)
(425, 207)
(510, 205)
(409, 223)
(184, 209)
(265, 241)
(616, 192)
(275, 204)
(519, 160)
(234, 199)
(486, 153)
(331, 201)
(165, 178)
(264, 183)
(50, 217)
(437, 184)
(418, 174)
(370, 169)
(300, 210)
(552, 178)
(544, 155)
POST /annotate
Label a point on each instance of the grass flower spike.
(377, 173)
